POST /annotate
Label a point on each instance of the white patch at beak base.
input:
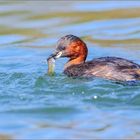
(58, 55)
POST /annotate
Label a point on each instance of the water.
(34, 105)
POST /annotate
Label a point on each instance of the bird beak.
(58, 55)
(55, 55)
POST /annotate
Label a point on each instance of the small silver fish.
(51, 62)
(51, 66)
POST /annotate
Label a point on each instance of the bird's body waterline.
(112, 68)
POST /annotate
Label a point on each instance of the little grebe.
(112, 68)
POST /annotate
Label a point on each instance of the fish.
(51, 66)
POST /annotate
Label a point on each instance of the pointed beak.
(55, 55)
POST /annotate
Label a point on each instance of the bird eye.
(61, 48)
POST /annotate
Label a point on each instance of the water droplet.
(95, 97)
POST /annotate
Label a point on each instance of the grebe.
(112, 68)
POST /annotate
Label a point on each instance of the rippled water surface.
(34, 105)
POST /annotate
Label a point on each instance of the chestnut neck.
(75, 61)
(78, 52)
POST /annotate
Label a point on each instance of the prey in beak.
(51, 62)
(55, 55)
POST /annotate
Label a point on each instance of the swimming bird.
(112, 68)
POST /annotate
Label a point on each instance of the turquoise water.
(35, 105)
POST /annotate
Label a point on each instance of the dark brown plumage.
(112, 68)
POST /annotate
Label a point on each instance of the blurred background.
(41, 23)
(34, 105)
